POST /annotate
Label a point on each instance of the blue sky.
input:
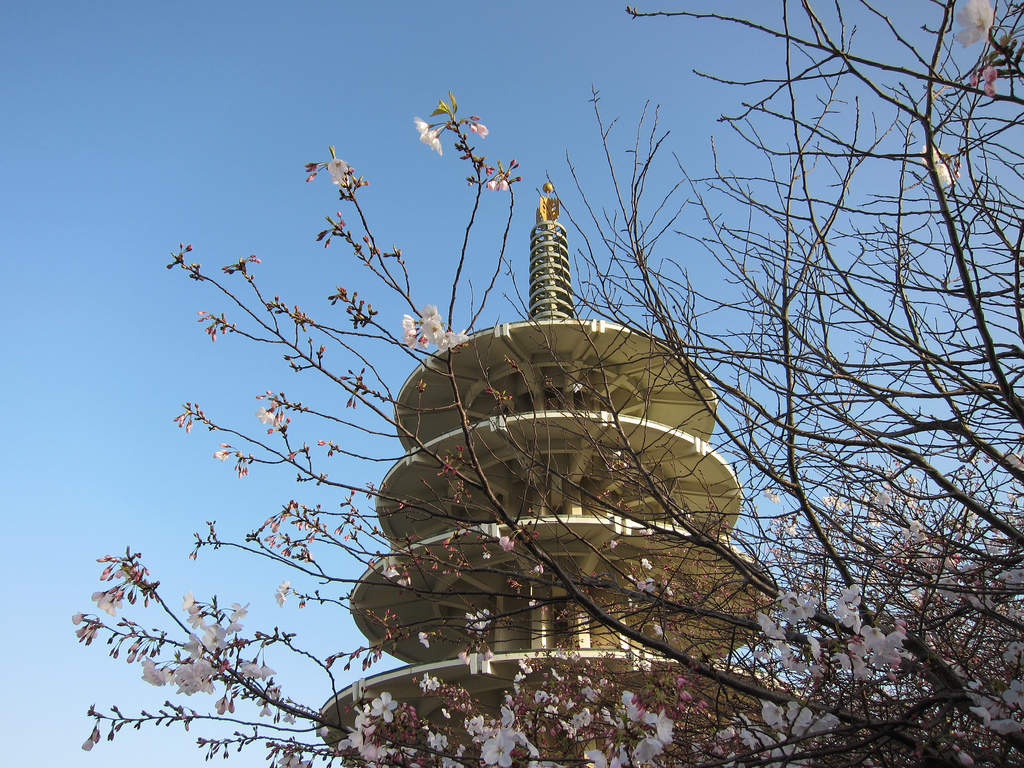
(129, 127)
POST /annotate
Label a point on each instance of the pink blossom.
(497, 185)
(990, 74)
(479, 129)
(506, 543)
(94, 738)
(221, 454)
(87, 632)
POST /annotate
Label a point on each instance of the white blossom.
(194, 677)
(154, 676)
(428, 683)
(497, 750)
(938, 161)
(267, 417)
(109, 601)
(383, 706)
(339, 171)
(436, 741)
(282, 591)
(770, 628)
(662, 726)
(847, 609)
(479, 621)
(1014, 694)
(798, 607)
(633, 711)
(428, 135)
(975, 16)
(410, 334)
(475, 726)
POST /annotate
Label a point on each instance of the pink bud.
(310, 177)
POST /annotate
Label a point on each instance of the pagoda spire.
(550, 283)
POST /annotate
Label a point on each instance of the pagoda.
(592, 441)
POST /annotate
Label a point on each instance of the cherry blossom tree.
(854, 361)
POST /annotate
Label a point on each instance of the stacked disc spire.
(550, 281)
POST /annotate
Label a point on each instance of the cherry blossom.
(497, 750)
(798, 607)
(428, 683)
(506, 543)
(663, 726)
(990, 75)
(881, 499)
(266, 417)
(410, 334)
(452, 339)
(109, 601)
(428, 135)
(940, 163)
(339, 171)
(94, 738)
(431, 330)
(479, 621)
(633, 710)
(384, 707)
(431, 324)
(154, 676)
(975, 16)
(194, 677)
(847, 609)
(282, 592)
(479, 129)
(257, 671)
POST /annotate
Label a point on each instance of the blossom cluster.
(429, 329)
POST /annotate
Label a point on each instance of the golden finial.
(547, 209)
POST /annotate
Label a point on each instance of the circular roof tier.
(443, 586)
(548, 460)
(515, 367)
(485, 678)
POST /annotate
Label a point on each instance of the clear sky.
(130, 126)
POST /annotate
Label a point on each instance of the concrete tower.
(561, 414)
